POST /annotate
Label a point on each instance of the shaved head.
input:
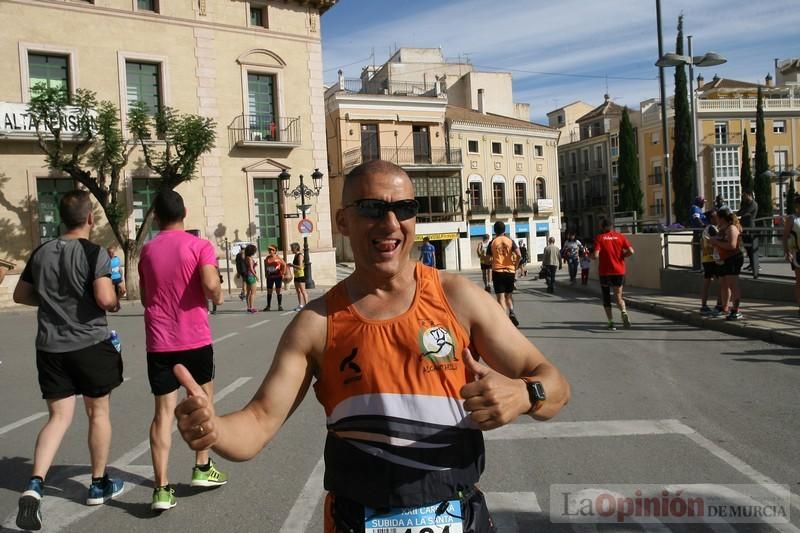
(365, 171)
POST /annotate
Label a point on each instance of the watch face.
(536, 390)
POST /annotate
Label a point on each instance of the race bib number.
(428, 519)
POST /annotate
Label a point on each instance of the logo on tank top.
(350, 368)
(437, 346)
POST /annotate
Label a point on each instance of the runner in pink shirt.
(177, 276)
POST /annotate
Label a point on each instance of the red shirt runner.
(610, 245)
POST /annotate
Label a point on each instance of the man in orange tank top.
(392, 352)
(504, 257)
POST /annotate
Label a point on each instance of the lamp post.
(302, 193)
(780, 179)
(664, 130)
(709, 59)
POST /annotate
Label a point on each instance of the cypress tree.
(682, 162)
(788, 202)
(762, 186)
(630, 189)
(747, 175)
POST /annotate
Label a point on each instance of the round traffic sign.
(305, 226)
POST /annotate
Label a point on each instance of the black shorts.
(732, 265)
(796, 260)
(199, 362)
(503, 282)
(93, 371)
(711, 270)
(299, 279)
(484, 266)
(274, 282)
(612, 281)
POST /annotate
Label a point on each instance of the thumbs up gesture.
(492, 400)
(195, 414)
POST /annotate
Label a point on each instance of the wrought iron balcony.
(502, 209)
(264, 130)
(403, 156)
(478, 211)
(522, 207)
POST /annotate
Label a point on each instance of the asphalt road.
(662, 403)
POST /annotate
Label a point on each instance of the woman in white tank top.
(791, 245)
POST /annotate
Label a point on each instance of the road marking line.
(303, 509)
(600, 428)
(741, 466)
(144, 446)
(228, 336)
(21, 422)
(257, 324)
(503, 507)
(287, 313)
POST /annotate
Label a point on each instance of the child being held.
(586, 262)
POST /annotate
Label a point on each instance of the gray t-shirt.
(62, 272)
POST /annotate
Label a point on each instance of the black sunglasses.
(377, 209)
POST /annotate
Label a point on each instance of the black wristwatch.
(535, 393)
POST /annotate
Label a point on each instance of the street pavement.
(661, 403)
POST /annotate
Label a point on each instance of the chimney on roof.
(606, 98)
(480, 102)
(768, 80)
(715, 79)
(700, 81)
(341, 80)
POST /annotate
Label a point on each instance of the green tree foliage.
(762, 186)
(630, 189)
(83, 139)
(791, 192)
(746, 178)
(682, 161)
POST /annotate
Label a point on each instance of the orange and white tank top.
(398, 434)
(501, 248)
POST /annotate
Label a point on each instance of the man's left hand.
(492, 400)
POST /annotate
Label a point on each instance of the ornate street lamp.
(303, 193)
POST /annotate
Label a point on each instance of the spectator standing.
(177, 275)
(274, 270)
(69, 280)
(586, 264)
(486, 262)
(116, 272)
(698, 221)
(791, 245)
(251, 277)
(241, 270)
(611, 249)
(747, 214)
(427, 253)
(729, 244)
(298, 267)
(571, 252)
(523, 258)
(551, 262)
(503, 252)
(711, 270)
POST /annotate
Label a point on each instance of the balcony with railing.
(389, 88)
(264, 130)
(655, 179)
(502, 208)
(404, 157)
(477, 211)
(523, 208)
(746, 104)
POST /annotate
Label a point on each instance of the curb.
(740, 329)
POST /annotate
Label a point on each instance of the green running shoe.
(163, 498)
(208, 478)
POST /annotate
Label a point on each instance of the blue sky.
(590, 44)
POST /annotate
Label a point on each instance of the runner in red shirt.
(611, 249)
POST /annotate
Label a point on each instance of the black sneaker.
(29, 515)
(734, 315)
(611, 326)
(513, 318)
(267, 308)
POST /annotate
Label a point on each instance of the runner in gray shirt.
(69, 280)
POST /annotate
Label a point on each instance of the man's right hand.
(195, 414)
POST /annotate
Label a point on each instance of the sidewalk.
(775, 322)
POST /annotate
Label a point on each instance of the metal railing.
(748, 104)
(404, 156)
(502, 209)
(767, 243)
(264, 129)
(392, 88)
(522, 207)
(475, 210)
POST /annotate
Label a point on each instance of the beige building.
(725, 112)
(565, 120)
(469, 166)
(588, 169)
(255, 67)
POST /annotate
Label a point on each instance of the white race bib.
(416, 519)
